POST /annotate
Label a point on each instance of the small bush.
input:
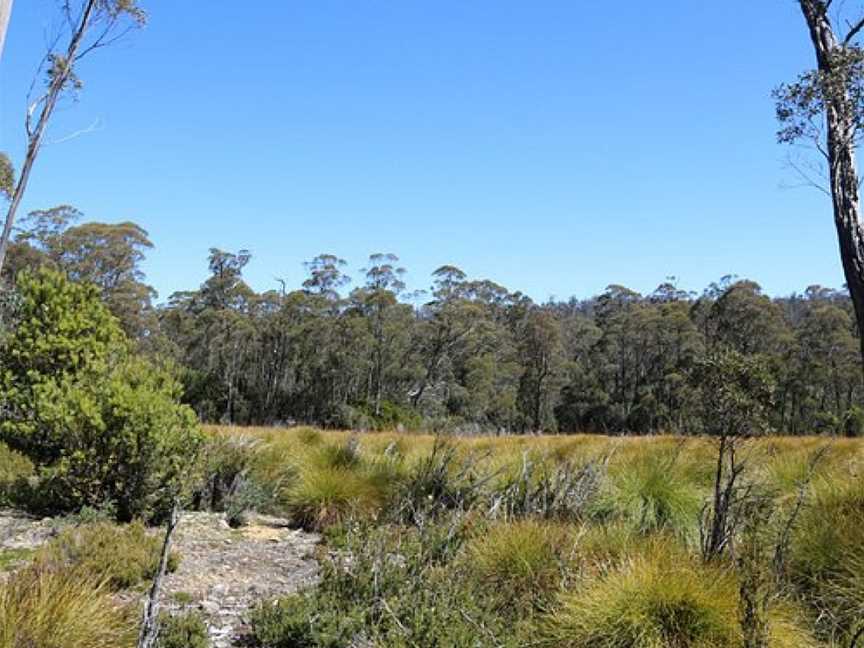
(285, 623)
(388, 586)
(237, 473)
(342, 455)
(49, 608)
(657, 599)
(184, 630)
(309, 436)
(438, 482)
(119, 556)
(563, 492)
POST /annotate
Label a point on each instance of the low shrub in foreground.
(182, 630)
(660, 598)
(389, 586)
(43, 607)
(119, 556)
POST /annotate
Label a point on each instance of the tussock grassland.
(561, 540)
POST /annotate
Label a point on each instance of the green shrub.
(438, 482)
(100, 424)
(49, 608)
(236, 474)
(119, 556)
(657, 599)
(285, 623)
(15, 468)
(342, 455)
(325, 496)
(184, 630)
(392, 586)
(309, 436)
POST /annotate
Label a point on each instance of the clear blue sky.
(553, 146)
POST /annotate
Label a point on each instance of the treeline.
(467, 355)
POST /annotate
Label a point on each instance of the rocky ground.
(223, 571)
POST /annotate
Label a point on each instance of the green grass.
(827, 554)
(13, 558)
(120, 556)
(521, 563)
(652, 493)
(433, 562)
(659, 598)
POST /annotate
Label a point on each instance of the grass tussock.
(652, 493)
(827, 554)
(660, 598)
(45, 607)
(118, 556)
(523, 563)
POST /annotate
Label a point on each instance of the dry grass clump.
(117, 556)
(659, 598)
(45, 607)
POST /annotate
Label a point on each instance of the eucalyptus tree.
(825, 107)
(89, 25)
(108, 255)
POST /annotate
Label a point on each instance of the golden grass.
(658, 598)
(522, 562)
(51, 608)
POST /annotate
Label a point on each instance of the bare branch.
(92, 128)
(806, 178)
(853, 31)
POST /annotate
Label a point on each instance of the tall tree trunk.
(843, 172)
(34, 142)
(5, 13)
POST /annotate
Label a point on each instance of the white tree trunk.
(5, 13)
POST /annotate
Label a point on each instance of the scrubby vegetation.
(120, 556)
(102, 425)
(432, 556)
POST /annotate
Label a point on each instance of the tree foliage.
(102, 424)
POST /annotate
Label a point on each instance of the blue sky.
(553, 146)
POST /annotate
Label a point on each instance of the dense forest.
(464, 356)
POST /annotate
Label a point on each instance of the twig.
(149, 628)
